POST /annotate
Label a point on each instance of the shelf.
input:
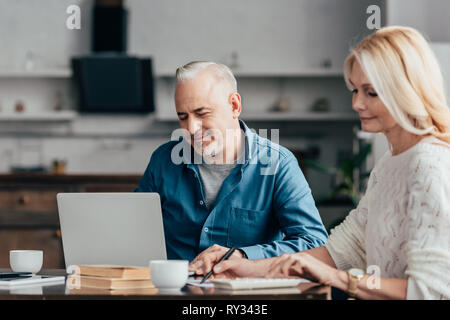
(263, 116)
(304, 116)
(306, 73)
(38, 73)
(67, 73)
(56, 116)
(286, 116)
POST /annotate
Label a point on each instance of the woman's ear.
(235, 102)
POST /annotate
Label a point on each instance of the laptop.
(111, 228)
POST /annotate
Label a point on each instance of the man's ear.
(235, 102)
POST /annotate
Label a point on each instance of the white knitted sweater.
(402, 224)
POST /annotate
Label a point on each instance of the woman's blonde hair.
(405, 73)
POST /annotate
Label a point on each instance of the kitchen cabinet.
(29, 214)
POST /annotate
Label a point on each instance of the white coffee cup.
(169, 274)
(26, 260)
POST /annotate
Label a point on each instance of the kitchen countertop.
(25, 178)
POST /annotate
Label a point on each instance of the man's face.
(206, 109)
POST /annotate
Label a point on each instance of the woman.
(401, 228)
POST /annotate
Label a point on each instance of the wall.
(299, 33)
(430, 17)
(272, 36)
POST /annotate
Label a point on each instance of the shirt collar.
(250, 137)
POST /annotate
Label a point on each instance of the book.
(98, 291)
(76, 281)
(113, 271)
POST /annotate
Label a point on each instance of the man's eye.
(354, 91)
(202, 114)
(182, 118)
(372, 94)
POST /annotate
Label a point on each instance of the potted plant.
(347, 176)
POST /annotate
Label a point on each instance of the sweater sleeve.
(346, 243)
(428, 246)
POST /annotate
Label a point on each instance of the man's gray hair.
(220, 71)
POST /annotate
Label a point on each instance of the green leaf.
(347, 168)
(359, 158)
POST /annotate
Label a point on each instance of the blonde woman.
(400, 231)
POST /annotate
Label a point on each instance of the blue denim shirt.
(264, 207)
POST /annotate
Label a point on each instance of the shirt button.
(206, 229)
(201, 202)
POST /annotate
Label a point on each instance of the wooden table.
(309, 291)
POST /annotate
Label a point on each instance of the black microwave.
(114, 84)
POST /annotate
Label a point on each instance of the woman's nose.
(358, 103)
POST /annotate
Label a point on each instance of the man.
(223, 185)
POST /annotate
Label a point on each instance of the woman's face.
(374, 115)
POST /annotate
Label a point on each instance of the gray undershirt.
(213, 176)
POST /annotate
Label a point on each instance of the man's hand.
(204, 262)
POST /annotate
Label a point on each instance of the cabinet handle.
(23, 199)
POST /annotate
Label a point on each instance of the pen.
(225, 257)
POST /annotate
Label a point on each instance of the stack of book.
(109, 279)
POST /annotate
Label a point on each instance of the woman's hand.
(302, 265)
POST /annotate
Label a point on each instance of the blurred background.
(83, 109)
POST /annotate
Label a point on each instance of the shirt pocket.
(249, 227)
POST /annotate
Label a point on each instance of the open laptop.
(111, 228)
